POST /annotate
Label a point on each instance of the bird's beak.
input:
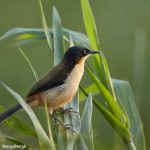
(94, 52)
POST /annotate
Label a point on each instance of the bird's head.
(77, 54)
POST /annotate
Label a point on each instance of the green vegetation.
(114, 98)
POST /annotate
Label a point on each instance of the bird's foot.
(65, 126)
(69, 128)
(67, 110)
(56, 119)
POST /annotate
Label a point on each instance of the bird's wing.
(53, 79)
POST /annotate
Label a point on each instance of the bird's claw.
(65, 126)
(69, 128)
(67, 110)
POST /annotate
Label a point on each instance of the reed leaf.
(113, 105)
(27, 35)
(125, 96)
(58, 37)
(29, 63)
(18, 144)
(15, 123)
(44, 24)
(86, 123)
(44, 141)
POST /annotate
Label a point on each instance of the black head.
(75, 54)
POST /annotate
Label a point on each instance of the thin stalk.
(130, 145)
(29, 63)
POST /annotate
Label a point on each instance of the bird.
(59, 86)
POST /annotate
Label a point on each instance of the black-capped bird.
(60, 85)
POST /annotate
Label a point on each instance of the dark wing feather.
(53, 79)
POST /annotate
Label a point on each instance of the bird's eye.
(84, 52)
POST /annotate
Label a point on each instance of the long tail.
(9, 112)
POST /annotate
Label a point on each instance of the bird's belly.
(56, 98)
(59, 96)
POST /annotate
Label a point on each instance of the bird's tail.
(9, 112)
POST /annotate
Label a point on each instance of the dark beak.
(94, 52)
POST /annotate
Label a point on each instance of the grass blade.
(80, 145)
(27, 35)
(77, 37)
(89, 23)
(125, 96)
(71, 41)
(75, 120)
(114, 122)
(17, 124)
(23, 32)
(108, 80)
(91, 31)
(43, 138)
(19, 144)
(58, 37)
(86, 123)
(113, 105)
(99, 63)
(91, 88)
(49, 126)
(29, 63)
(45, 27)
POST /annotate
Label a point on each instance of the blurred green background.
(124, 31)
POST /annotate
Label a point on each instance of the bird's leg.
(67, 110)
(57, 120)
(66, 126)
